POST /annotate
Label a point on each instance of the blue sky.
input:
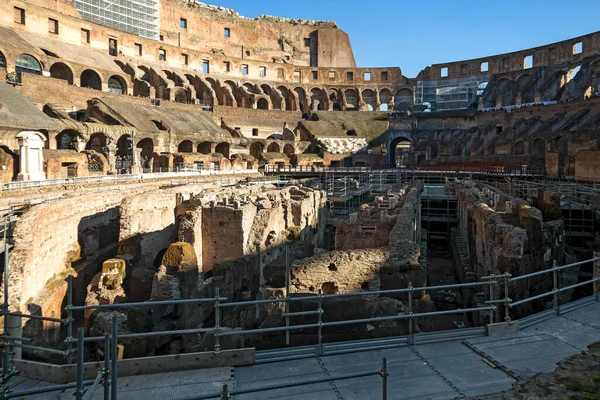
(414, 34)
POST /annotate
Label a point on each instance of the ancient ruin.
(228, 190)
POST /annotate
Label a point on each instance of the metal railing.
(221, 303)
(17, 185)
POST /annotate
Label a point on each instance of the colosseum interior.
(184, 188)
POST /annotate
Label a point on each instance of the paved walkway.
(475, 366)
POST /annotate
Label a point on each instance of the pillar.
(111, 157)
(31, 160)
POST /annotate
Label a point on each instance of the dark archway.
(204, 148)
(457, 149)
(67, 139)
(117, 85)
(273, 148)
(288, 150)
(256, 149)
(185, 147)
(223, 148)
(2, 60)
(518, 148)
(147, 146)
(433, 151)
(399, 149)
(262, 104)
(28, 64)
(61, 71)
(537, 151)
(96, 143)
(91, 79)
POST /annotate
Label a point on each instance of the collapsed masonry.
(499, 234)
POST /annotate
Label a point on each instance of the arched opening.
(457, 149)
(61, 71)
(351, 99)
(2, 60)
(256, 149)
(262, 104)
(561, 146)
(117, 85)
(316, 99)
(383, 107)
(403, 99)
(290, 101)
(301, 99)
(399, 150)
(97, 143)
(28, 64)
(334, 100)
(67, 139)
(182, 95)
(537, 151)
(288, 150)
(518, 149)
(90, 79)
(204, 148)
(273, 148)
(160, 125)
(147, 146)
(433, 151)
(124, 146)
(385, 96)
(185, 147)
(223, 148)
(370, 98)
(573, 73)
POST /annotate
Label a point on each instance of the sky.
(415, 34)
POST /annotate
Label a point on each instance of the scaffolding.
(140, 17)
(345, 195)
(450, 94)
(438, 213)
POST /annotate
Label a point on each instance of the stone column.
(111, 157)
(31, 163)
(136, 166)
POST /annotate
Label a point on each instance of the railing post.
(555, 288)
(492, 300)
(106, 370)
(383, 372)
(225, 393)
(217, 348)
(595, 275)
(287, 293)
(411, 339)
(320, 322)
(114, 358)
(69, 319)
(80, 353)
(507, 300)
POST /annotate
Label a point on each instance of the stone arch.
(288, 150)
(457, 149)
(256, 149)
(518, 149)
(223, 148)
(385, 97)
(62, 71)
(553, 84)
(185, 147)
(97, 142)
(147, 146)
(433, 151)
(276, 98)
(124, 145)
(333, 95)
(182, 95)
(403, 99)
(526, 89)
(302, 99)
(117, 85)
(204, 148)
(67, 139)
(399, 147)
(561, 146)
(91, 79)
(262, 104)
(290, 100)
(370, 97)
(26, 63)
(273, 148)
(537, 151)
(351, 96)
(317, 99)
